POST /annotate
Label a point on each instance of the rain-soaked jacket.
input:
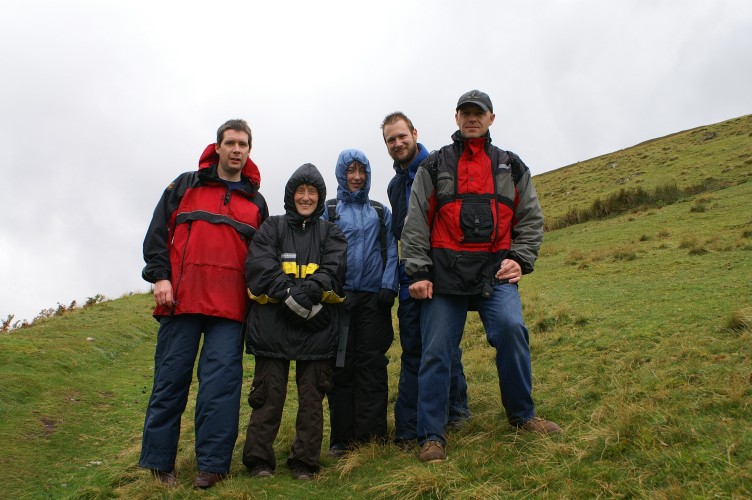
(287, 250)
(366, 269)
(199, 236)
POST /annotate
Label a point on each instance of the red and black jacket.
(199, 237)
(472, 206)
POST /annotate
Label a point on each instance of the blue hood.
(345, 158)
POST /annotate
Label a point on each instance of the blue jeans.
(220, 375)
(443, 322)
(406, 407)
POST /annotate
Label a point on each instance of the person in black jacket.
(295, 276)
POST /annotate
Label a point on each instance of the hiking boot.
(337, 451)
(166, 478)
(541, 426)
(405, 445)
(432, 451)
(262, 471)
(206, 480)
(301, 473)
(457, 423)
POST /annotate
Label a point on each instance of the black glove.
(386, 298)
(319, 318)
(298, 302)
(312, 291)
(347, 304)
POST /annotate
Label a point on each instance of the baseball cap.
(476, 97)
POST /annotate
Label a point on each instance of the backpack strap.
(324, 230)
(331, 209)
(432, 164)
(382, 233)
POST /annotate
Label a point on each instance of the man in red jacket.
(473, 229)
(195, 252)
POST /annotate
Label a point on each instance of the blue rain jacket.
(359, 221)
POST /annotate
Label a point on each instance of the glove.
(347, 304)
(386, 298)
(312, 291)
(298, 302)
(319, 318)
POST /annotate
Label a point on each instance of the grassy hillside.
(641, 342)
(713, 156)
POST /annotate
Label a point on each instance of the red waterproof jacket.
(199, 237)
(472, 205)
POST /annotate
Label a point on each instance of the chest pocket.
(476, 220)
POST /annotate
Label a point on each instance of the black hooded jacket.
(286, 250)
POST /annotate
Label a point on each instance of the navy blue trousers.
(220, 376)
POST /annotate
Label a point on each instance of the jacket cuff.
(526, 268)
(153, 277)
(420, 276)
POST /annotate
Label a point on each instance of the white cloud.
(102, 104)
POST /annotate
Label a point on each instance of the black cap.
(476, 97)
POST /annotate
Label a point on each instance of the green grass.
(712, 156)
(641, 338)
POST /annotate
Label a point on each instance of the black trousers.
(358, 400)
(267, 398)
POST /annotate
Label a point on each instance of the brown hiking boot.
(166, 478)
(206, 480)
(541, 426)
(432, 451)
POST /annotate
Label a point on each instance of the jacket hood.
(412, 169)
(210, 157)
(305, 174)
(344, 160)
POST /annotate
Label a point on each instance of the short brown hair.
(392, 118)
(237, 125)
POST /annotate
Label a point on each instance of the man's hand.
(421, 290)
(510, 270)
(163, 293)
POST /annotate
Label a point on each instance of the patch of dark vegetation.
(7, 324)
(49, 425)
(633, 199)
(623, 255)
(740, 320)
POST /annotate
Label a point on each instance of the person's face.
(233, 152)
(472, 121)
(306, 199)
(401, 144)
(356, 176)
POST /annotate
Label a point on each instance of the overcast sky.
(102, 104)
